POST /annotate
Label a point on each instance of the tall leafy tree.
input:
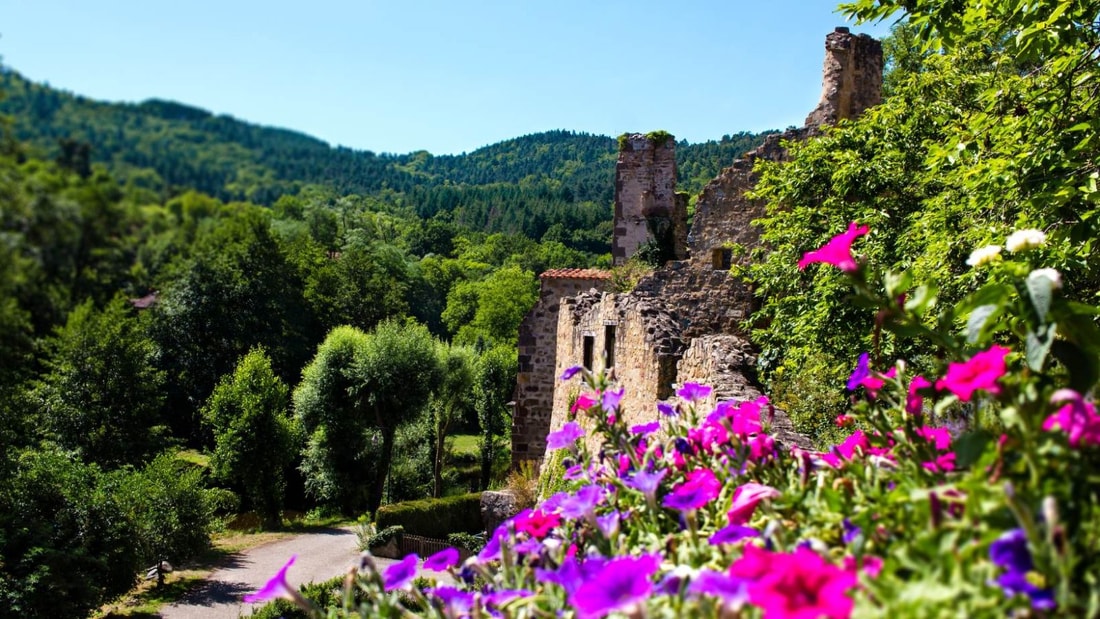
(101, 394)
(452, 396)
(494, 381)
(255, 441)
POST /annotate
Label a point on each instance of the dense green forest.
(302, 316)
(559, 183)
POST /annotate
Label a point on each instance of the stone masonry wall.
(645, 194)
(851, 79)
(647, 348)
(535, 381)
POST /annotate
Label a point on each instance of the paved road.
(321, 555)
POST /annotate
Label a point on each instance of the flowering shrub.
(971, 492)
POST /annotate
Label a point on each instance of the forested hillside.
(557, 182)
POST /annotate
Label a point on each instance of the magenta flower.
(914, 403)
(584, 402)
(797, 585)
(745, 499)
(620, 583)
(442, 560)
(838, 251)
(276, 587)
(571, 371)
(1077, 418)
(400, 574)
(536, 523)
(694, 392)
(565, 437)
(981, 372)
(700, 487)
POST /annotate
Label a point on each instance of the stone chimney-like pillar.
(646, 206)
(852, 77)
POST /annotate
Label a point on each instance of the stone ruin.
(682, 323)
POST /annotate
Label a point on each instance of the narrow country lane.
(321, 555)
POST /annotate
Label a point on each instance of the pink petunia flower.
(797, 585)
(838, 251)
(700, 487)
(914, 403)
(745, 499)
(980, 372)
(584, 402)
(1077, 418)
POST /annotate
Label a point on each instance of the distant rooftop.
(145, 302)
(575, 274)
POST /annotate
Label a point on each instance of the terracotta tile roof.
(575, 274)
(145, 302)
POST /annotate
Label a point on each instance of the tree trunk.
(384, 469)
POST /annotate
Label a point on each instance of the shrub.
(436, 518)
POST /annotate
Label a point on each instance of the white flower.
(983, 255)
(1021, 240)
(1052, 274)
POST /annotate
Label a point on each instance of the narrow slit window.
(609, 345)
(589, 349)
(721, 258)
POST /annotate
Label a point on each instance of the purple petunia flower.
(565, 437)
(571, 371)
(646, 428)
(442, 560)
(700, 488)
(457, 602)
(491, 551)
(694, 392)
(582, 504)
(646, 483)
(620, 583)
(851, 531)
(732, 533)
(400, 574)
(608, 524)
(500, 598)
(666, 409)
(569, 575)
(733, 591)
(276, 587)
(1010, 551)
(610, 399)
(862, 371)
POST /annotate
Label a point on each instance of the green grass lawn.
(466, 444)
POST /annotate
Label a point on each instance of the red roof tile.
(576, 274)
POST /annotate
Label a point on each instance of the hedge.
(435, 518)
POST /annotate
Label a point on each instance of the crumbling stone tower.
(647, 207)
(851, 79)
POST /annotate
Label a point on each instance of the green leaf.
(1038, 346)
(1041, 291)
(1082, 366)
(923, 298)
(976, 323)
(970, 446)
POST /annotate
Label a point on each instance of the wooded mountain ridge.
(167, 147)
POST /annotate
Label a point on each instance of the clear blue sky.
(443, 76)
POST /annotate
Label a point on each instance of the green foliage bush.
(435, 518)
(324, 594)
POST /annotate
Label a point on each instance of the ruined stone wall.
(724, 215)
(851, 78)
(645, 196)
(535, 381)
(647, 348)
(701, 299)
